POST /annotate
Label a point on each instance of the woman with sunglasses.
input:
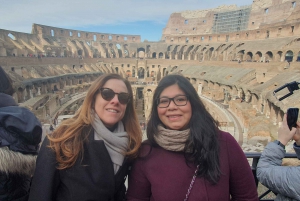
(88, 156)
(186, 156)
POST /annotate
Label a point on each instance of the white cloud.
(19, 15)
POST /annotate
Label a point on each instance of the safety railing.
(255, 156)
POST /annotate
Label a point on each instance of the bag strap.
(191, 184)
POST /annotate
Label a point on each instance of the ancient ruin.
(234, 56)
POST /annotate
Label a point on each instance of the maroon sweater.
(164, 175)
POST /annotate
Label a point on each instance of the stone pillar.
(3, 52)
(44, 89)
(30, 93)
(199, 89)
(39, 91)
(248, 97)
(19, 93)
(225, 96)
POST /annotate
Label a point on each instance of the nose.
(172, 105)
(115, 99)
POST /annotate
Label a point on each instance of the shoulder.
(273, 150)
(15, 162)
(149, 151)
(226, 137)
(45, 145)
(229, 145)
(146, 149)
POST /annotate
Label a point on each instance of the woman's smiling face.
(111, 112)
(174, 117)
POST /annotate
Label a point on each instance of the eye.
(163, 100)
(180, 99)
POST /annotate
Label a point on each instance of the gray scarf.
(116, 142)
(172, 140)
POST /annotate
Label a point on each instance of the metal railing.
(255, 156)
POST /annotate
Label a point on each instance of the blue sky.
(140, 17)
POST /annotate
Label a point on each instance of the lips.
(112, 110)
(174, 117)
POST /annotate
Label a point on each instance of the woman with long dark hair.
(186, 156)
(88, 156)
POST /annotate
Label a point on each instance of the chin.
(175, 128)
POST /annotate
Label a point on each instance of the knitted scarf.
(172, 140)
(116, 142)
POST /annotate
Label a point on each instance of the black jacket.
(20, 135)
(91, 178)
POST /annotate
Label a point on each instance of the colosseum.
(235, 57)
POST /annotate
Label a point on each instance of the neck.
(113, 127)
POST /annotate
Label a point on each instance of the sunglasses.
(108, 94)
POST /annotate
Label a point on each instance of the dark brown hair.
(204, 132)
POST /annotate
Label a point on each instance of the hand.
(285, 134)
(297, 134)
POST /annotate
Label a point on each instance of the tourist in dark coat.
(20, 135)
(186, 156)
(87, 157)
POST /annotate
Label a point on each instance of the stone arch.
(254, 100)
(289, 55)
(193, 54)
(161, 55)
(148, 50)
(105, 49)
(154, 55)
(164, 71)
(240, 55)
(141, 73)
(141, 52)
(128, 73)
(96, 53)
(119, 50)
(201, 53)
(86, 51)
(158, 75)
(10, 35)
(174, 52)
(152, 74)
(181, 52)
(278, 56)
(230, 56)
(187, 52)
(269, 56)
(112, 51)
(258, 56)
(169, 53)
(126, 51)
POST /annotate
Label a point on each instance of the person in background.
(283, 180)
(51, 128)
(186, 156)
(87, 157)
(20, 135)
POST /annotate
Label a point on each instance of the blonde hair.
(68, 139)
